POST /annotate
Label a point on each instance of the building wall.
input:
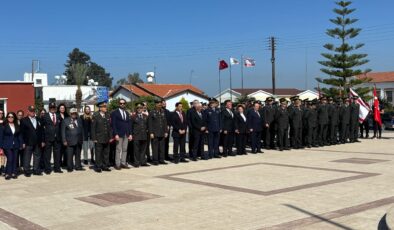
(227, 96)
(16, 96)
(125, 94)
(385, 90)
(40, 79)
(188, 96)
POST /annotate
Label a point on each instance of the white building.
(384, 82)
(172, 93)
(262, 93)
(40, 79)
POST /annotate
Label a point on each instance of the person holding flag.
(377, 110)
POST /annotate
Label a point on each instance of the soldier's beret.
(101, 103)
(269, 99)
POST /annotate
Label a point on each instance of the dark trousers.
(311, 135)
(353, 131)
(228, 141)
(256, 141)
(158, 149)
(73, 152)
(296, 139)
(198, 144)
(34, 151)
(240, 139)
(140, 151)
(283, 137)
(102, 155)
(52, 146)
(63, 155)
(19, 158)
(344, 132)
(147, 149)
(377, 129)
(179, 147)
(191, 143)
(166, 147)
(332, 131)
(213, 144)
(364, 126)
(267, 137)
(322, 134)
(11, 155)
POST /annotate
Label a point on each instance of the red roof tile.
(167, 90)
(279, 91)
(137, 91)
(379, 77)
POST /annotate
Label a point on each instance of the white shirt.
(12, 128)
(230, 112)
(243, 116)
(123, 113)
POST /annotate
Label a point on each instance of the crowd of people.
(61, 139)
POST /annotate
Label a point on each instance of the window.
(38, 81)
(389, 96)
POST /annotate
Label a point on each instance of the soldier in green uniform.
(333, 117)
(101, 136)
(295, 115)
(354, 123)
(158, 131)
(282, 120)
(344, 120)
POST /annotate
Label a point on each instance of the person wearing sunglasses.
(11, 142)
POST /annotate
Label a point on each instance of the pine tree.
(342, 63)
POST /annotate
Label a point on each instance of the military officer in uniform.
(139, 121)
(333, 117)
(158, 132)
(212, 119)
(268, 128)
(310, 123)
(354, 123)
(255, 125)
(295, 115)
(282, 120)
(101, 136)
(344, 119)
(322, 116)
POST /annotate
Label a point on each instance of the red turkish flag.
(376, 114)
(223, 65)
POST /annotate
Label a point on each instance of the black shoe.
(92, 161)
(85, 162)
(155, 163)
(48, 172)
(309, 146)
(15, 176)
(287, 148)
(37, 173)
(106, 169)
(280, 149)
(217, 156)
(70, 170)
(8, 177)
(193, 159)
(80, 169)
(97, 170)
(184, 160)
(58, 171)
(136, 165)
(145, 165)
(27, 174)
(204, 158)
(117, 168)
(163, 163)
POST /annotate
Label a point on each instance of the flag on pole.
(376, 114)
(364, 107)
(249, 62)
(234, 61)
(223, 65)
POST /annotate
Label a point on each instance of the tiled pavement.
(336, 187)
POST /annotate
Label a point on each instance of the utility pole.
(272, 45)
(32, 69)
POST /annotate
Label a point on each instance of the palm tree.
(79, 72)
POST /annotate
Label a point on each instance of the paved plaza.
(334, 187)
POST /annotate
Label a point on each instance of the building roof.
(161, 90)
(379, 77)
(279, 91)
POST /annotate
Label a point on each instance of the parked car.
(388, 120)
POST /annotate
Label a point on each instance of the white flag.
(364, 107)
(234, 61)
(249, 62)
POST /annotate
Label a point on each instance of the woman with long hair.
(11, 142)
(88, 144)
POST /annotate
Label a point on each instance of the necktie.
(53, 119)
(258, 113)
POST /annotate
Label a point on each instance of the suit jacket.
(32, 136)
(101, 128)
(322, 114)
(227, 121)
(177, 124)
(255, 121)
(240, 124)
(9, 140)
(213, 119)
(72, 132)
(87, 128)
(120, 126)
(52, 130)
(140, 127)
(196, 121)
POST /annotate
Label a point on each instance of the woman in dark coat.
(11, 142)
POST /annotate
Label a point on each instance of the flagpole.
(242, 72)
(231, 87)
(220, 87)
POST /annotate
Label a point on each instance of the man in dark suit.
(255, 126)
(139, 121)
(322, 114)
(241, 129)
(282, 119)
(227, 122)
(167, 139)
(268, 129)
(51, 123)
(33, 139)
(212, 118)
(188, 118)
(198, 128)
(101, 136)
(72, 135)
(158, 131)
(179, 128)
(121, 128)
(295, 115)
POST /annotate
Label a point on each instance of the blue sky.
(179, 36)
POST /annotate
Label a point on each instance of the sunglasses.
(10, 117)
(122, 103)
